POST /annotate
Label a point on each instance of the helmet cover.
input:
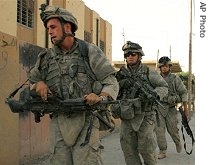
(163, 61)
(131, 47)
(48, 12)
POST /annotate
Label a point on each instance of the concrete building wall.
(96, 26)
(8, 16)
(9, 122)
(108, 40)
(34, 137)
(102, 29)
(40, 33)
(60, 3)
(88, 23)
(9, 64)
(77, 8)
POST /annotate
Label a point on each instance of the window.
(87, 36)
(102, 45)
(25, 12)
(97, 31)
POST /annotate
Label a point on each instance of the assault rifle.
(185, 124)
(54, 105)
(139, 83)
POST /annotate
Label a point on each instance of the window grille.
(102, 45)
(25, 12)
(87, 36)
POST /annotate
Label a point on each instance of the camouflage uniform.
(168, 116)
(67, 76)
(138, 118)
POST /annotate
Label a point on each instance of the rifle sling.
(193, 141)
(187, 128)
(89, 130)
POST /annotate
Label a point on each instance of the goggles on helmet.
(131, 47)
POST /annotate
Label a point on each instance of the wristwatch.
(103, 98)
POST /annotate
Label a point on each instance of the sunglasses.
(130, 54)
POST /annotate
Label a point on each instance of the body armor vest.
(173, 97)
(67, 75)
(143, 74)
(171, 85)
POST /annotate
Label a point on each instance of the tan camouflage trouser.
(170, 123)
(136, 143)
(62, 154)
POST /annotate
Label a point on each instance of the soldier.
(138, 117)
(168, 117)
(65, 70)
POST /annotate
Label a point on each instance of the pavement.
(113, 155)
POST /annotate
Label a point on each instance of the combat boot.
(178, 147)
(162, 155)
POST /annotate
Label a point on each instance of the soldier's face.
(165, 68)
(54, 30)
(132, 58)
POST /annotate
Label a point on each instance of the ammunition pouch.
(137, 107)
(146, 106)
(172, 99)
(127, 109)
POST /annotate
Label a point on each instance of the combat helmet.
(163, 61)
(48, 12)
(131, 47)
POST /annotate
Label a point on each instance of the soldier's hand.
(92, 99)
(186, 110)
(42, 90)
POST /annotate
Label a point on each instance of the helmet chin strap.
(69, 34)
(58, 42)
(63, 37)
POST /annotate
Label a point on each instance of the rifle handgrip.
(33, 93)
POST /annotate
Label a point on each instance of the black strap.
(83, 46)
(185, 146)
(185, 124)
(89, 130)
(12, 94)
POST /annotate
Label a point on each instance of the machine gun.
(139, 84)
(56, 105)
(187, 128)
